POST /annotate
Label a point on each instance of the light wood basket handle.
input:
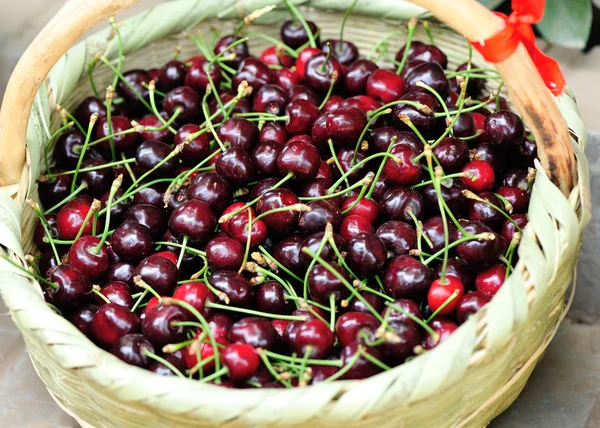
(469, 18)
(64, 29)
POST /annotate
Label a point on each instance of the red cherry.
(444, 328)
(352, 225)
(169, 255)
(303, 58)
(385, 86)
(70, 218)
(190, 353)
(241, 360)
(490, 280)
(84, 258)
(365, 208)
(276, 56)
(481, 176)
(196, 294)
(440, 292)
(406, 172)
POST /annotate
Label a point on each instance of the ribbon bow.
(518, 30)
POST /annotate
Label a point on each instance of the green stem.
(93, 119)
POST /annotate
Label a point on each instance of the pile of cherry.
(285, 220)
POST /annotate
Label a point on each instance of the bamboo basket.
(466, 381)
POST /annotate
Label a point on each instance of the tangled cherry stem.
(93, 119)
(113, 190)
(36, 209)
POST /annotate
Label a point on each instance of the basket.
(466, 381)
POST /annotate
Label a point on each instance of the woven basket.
(466, 381)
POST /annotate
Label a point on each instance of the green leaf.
(491, 4)
(567, 22)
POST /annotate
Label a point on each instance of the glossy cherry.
(270, 298)
(194, 219)
(509, 228)
(240, 133)
(112, 322)
(322, 284)
(294, 34)
(242, 361)
(212, 189)
(397, 348)
(358, 74)
(351, 326)
(320, 70)
(490, 280)
(224, 253)
(470, 304)
(407, 277)
(280, 223)
(367, 255)
(159, 273)
(398, 236)
(236, 166)
(84, 257)
(254, 331)
(150, 154)
(315, 338)
(352, 225)
(479, 176)
(385, 86)
(398, 202)
(132, 349)
(423, 118)
(253, 71)
(301, 116)
(363, 367)
(423, 52)
(160, 324)
(234, 285)
(441, 292)
(196, 294)
(186, 100)
(240, 50)
(321, 212)
(134, 88)
(505, 129)
(477, 254)
(270, 99)
(70, 219)
(132, 241)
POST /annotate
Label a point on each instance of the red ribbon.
(517, 30)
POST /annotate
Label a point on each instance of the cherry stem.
(206, 112)
(113, 190)
(36, 208)
(421, 107)
(327, 58)
(110, 92)
(50, 140)
(470, 195)
(174, 347)
(265, 359)
(91, 68)
(337, 162)
(182, 251)
(412, 24)
(116, 134)
(445, 177)
(358, 165)
(279, 265)
(295, 12)
(343, 280)
(414, 318)
(274, 355)
(364, 287)
(340, 258)
(216, 376)
(115, 28)
(333, 195)
(164, 362)
(383, 42)
(93, 119)
(486, 236)
(138, 281)
(151, 91)
(289, 51)
(34, 275)
(344, 19)
(375, 361)
(294, 208)
(345, 369)
(139, 300)
(328, 233)
(129, 85)
(190, 250)
(373, 118)
(95, 206)
(508, 207)
(133, 192)
(176, 183)
(253, 267)
(361, 193)
(380, 169)
(91, 168)
(210, 304)
(248, 242)
(97, 292)
(453, 296)
(334, 78)
(332, 312)
(66, 117)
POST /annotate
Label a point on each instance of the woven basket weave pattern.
(467, 380)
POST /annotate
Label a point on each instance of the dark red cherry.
(235, 165)
(464, 125)
(366, 208)
(72, 287)
(484, 212)
(99, 180)
(132, 349)
(375, 302)
(322, 284)
(315, 220)
(135, 87)
(286, 78)
(385, 86)
(476, 85)
(273, 131)
(363, 367)
(406, 171)
(408, 306)
(241, 360)
(161, 370)
(470, 304)
(381, 138)
(344, 126)
(345, 159)
(432, 74)
(288, 251)
(407, 277)
(171, 75)
(367, 255)
(270, 298)
(294, 34)
(152, 195)
(397, 236)
(241, 106)
(320, 70)
(240, 50)
(518, 198)
(280, 223)
(479, 176)
(401, 343)
(509, 228)
(56, 189)
(313, 242)
(253, 71)
(68, 148)
(48, 262)
(270, 99)
(211, 188)
(333, 103)
(301, 116)
(517, 178)
(185, 99)
(313, 337)
(219, 324)
(87, 107)
(151, 121)
(224, 253)
(196, 294)
(352, 225)
(398, 202)
(441, 292)
(452, 154)
(240, 133)
(303, 92)
(346, 52)
(357, 76)
(120, 271)
(84, 257)
(39, 233)
(263, 186)
(194, 219)
(364, 103)
(159, 273)
(488, 153)
(477, 254)
(444, 328)
(160, 326)
(489, 281)
(423, 52)
(149, 154)
(351, 326)
(112, 322)
(434, 230)
(505, 129)
(254, 331)
(455, 268)
(264, 158)
(234, 285)
(132, 241)
(148, 215)
(116, 292)
(451, 191)
(528, 152)
(81, 317)
(70, 218)
(324, 172)
(423, 118)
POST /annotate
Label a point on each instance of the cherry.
(433, 229)
(234, 285)
(120, 271)
(441, 291)
(262, 187)
(352, 225)
(313, 337)
(517, 178)
(451, 191)
(489, 280)
(476, 85)
(185, 99)
(344, 126)
(132, 349)
(239, 228)
(81, 317)
(71, 287)
(320, 70)
(270, 99)
(477, 254)
(236, 166)
(169, 255)
(505, 129)
(322, 284)
(98, 181)
(240, 50)
(112, 322)
(301, 116)
(303, 92)
(151, 153)
(150, 121)
(528, 152)
(480, 176)
(147, 215)
(358, 74)
(455, 268)
(194, 219)
(344, 157)
(350, 326)
(212, 189)
(160, 324)
(161, 370)
(483, 212)
(152, 195)
(429, 73)
(518, 198)
(132, 241)
(324, 172)
(398, 237)
(444, 328)
(321, 212)
(224, 253)
(219, 324)
(206, 351)
(55, 189)
(270, 298)
(70, 219)
(274, 55)
(288, 253)
(273, 131)
(367, 254)
(401, 345)
(286, 78)
(136, 80)
(254, 331)
(346, 52)
(385, 86)
(39, 233)
(84, 257)
(88, 107)
(116, 292)
(242, 361)
(488, 153)
(452, 154)
(240, 133)
(407, 277)
(381, 138)
(318, 188)
(400, 317)
(313, 242)
(423, 52)
(280, 223)
(423, 119)
(159, 273)
(398, 202)
(253, 71)
(196, 294)
(470, 304)
(363, 367)
(68, 148)
(366, 208)
(294, 34)
(320, 373)
(300, 159)
(508, 227)
(406, 171)
(241, 105)
(363, 103)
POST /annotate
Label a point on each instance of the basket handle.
(527, 90)
(64, 29)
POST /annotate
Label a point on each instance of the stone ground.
(564, 390)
